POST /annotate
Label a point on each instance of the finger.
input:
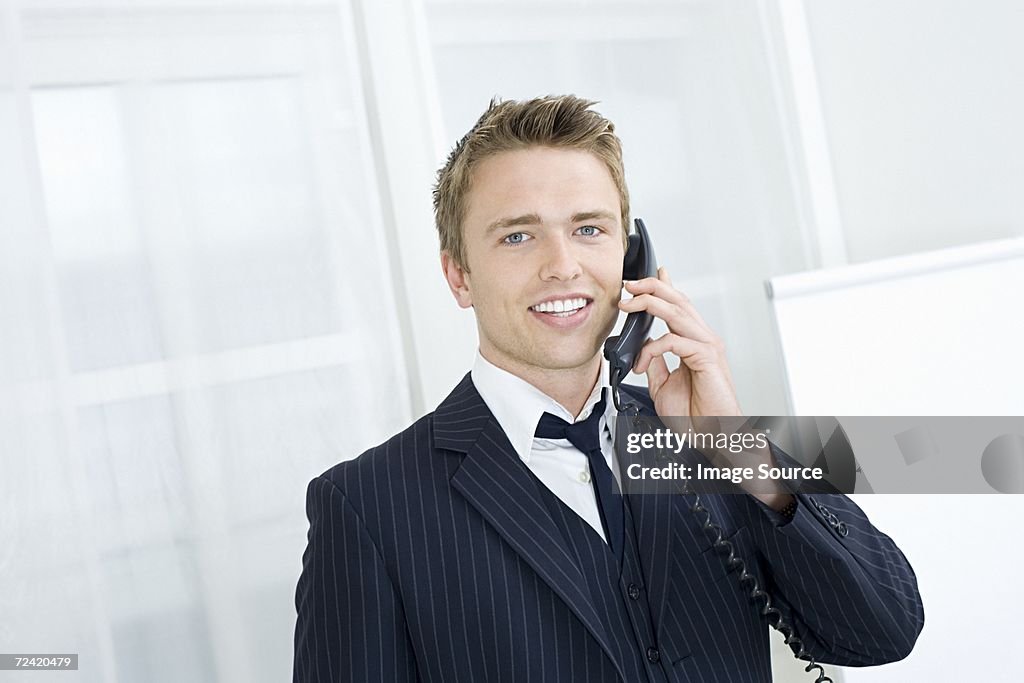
(663, 289)
(663, 276)
(658, 373)
(694, 354)
(660, 286)
(679, 320)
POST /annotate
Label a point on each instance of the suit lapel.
(496, 482)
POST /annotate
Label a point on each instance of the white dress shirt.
(518, 406)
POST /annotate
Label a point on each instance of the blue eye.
(515, 238)
(593, 230)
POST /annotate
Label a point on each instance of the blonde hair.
(563, 121)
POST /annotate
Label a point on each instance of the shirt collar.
(517, 405)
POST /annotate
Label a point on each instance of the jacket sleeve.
(849, 593)
(351, 625)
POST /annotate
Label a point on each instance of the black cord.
(733, 560)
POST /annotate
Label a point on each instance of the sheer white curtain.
(193, 290)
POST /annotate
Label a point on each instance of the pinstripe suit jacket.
(433, 558)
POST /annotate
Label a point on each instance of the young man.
(488, 542)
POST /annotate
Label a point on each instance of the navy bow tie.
(586, 437)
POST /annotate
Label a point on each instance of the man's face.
(543, 241)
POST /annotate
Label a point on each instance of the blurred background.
(219, 272)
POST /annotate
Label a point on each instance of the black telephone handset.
(621, 352)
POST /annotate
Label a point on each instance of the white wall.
(922, 103)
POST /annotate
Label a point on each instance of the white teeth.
(564, 306)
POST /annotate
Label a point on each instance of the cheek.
(606, 264)
(494, 303)
(610, 278)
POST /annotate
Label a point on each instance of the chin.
(566, 361)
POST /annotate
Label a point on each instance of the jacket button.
(633, 592)
(653, 655)
(841, 528)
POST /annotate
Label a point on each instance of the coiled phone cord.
(632, 410)
(733, 561)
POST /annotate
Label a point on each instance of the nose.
(560, 260)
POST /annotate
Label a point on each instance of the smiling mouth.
(562, 308)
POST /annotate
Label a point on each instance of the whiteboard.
(933, 333)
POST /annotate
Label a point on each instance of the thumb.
(657, 374)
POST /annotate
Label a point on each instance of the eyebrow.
(502, 223)
(591, 215)
(534, 219)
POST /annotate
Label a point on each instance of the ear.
(458, 280)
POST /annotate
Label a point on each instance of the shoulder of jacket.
(388, 459)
